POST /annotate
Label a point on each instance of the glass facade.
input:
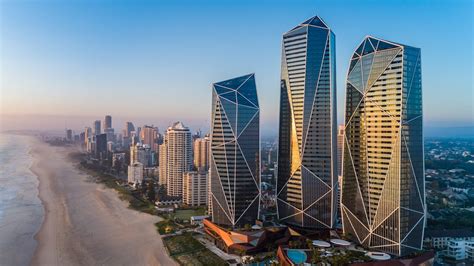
(307, 156)
(383, 198)
(235, 152)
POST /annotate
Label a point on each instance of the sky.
(67, 63)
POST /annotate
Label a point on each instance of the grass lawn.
(186, 250)
(186, 214)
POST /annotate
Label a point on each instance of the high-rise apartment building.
(195, 188)
(97, 130)
(178, 157)
(383, 188)
(201, 153)
(107, 122)
(149, 136)
(307, 155)
(235, 152)
(162, 163)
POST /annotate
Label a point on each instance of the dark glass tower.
(307, 156)
(383, 189)
(235, 152)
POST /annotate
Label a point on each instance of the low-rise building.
(459, 249)
(439, 239)
(195, 188)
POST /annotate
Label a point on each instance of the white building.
(460, 249)
(162, 164)
(178, 157)
(135, 173)
(439, 239)
(195, 188)
(201, 153)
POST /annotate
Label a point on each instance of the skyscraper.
(128, 128)
(178, 157)
(307, 169)
(162, 163)
(201, 153)
(88, 135)
(69, 134)
(101, 146)
(235, 152)
(97, 130)
(107, 122)
(383, 192)
(149, 135)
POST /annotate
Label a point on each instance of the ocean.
(21, 211)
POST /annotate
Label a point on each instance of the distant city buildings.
(107, 122)
(101, 146)
(141, 153)
(307, 162)
(96, 127)
(195, 188)
(135, 173)
(162, 160)
(235, 152)
(383, 197)
(149, 136)
(69, 134)
(88, 135)
(178, 158)
(201, 153)
(118, 159)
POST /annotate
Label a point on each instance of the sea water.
(21, 211)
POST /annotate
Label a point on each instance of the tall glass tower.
(383, 188)
(307, 155)
(235, 152)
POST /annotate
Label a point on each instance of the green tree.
(151, 194)
(316, 256)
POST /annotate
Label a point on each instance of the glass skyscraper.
(307, 156)
(383, 192)
(235, 152)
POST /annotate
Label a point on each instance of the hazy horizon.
(68, 63)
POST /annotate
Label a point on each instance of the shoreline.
(86, 223)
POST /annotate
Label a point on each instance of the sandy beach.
(86, 223)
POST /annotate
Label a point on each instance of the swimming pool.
(296, 256)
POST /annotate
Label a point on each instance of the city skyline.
(143, 75)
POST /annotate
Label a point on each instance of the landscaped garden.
(186, 250)
(166, 227)
(185, 214)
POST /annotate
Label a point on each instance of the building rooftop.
(449, 233)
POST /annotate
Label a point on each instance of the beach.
(86, 223)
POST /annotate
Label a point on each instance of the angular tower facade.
(383, 192)
(307, 156)
(235, 152)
